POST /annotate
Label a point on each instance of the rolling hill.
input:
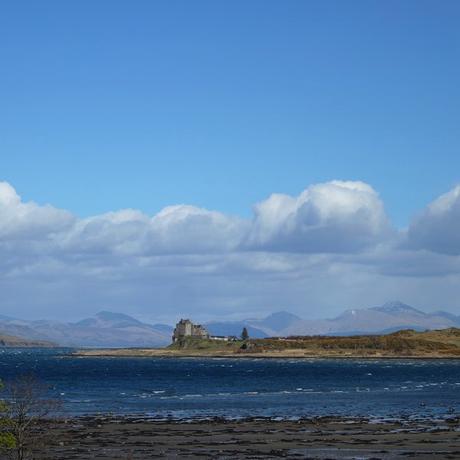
(105, 329)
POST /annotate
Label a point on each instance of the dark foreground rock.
(323, 438)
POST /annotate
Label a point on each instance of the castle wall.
(185, 328)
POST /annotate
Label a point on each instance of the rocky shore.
(318, 438)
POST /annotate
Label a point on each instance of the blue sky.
(348, 110)
(108, 104)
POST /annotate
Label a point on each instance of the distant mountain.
(397, 308)
(384, 319)
(108, 329)
(450, 316)
(107, 319)
(276, 322)
(271, 326)
(105, 329)
(234, 328)
(165, 328)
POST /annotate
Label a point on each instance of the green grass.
(194, 343)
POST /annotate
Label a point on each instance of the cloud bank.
(437, 228)
(330, 247)
(333, 217)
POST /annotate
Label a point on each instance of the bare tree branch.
(26, 402)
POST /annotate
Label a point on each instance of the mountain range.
(107, 329)
(390, 317)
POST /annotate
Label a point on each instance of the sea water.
(186, 388)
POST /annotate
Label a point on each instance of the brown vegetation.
(401, 343)
(407, 343)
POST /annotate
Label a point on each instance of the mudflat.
(318, 438)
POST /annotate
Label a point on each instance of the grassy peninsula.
(402, 344)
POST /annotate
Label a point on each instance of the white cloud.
(28, 221)
(437, 228)
(330, 247)
(332, 217)
(188, 229)
(120, 231)
(174, 230)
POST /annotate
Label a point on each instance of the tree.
(26, 403)
(245, 334)
(7, 440)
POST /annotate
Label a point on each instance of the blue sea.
(192, 388)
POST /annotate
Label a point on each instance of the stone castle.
(185, 328)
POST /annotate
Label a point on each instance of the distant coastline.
(160, 353)
(406, 344)
(10, 341)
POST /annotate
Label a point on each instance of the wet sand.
(321, 438)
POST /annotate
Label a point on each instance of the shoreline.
(403, 344)
(141, 417)
(162, 353)
(108, 437)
